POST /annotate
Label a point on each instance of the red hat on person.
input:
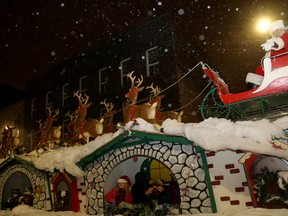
(124, 179)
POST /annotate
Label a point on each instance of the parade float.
(218, 163)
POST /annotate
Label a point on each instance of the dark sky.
(39, 34)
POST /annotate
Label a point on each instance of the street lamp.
(263, 25)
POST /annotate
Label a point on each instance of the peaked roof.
(13, 160)
(131, 139)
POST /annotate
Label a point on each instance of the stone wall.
(37, 179)
(183, 161)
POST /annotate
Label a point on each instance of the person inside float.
(27, 198)
(140, 193)
(120, 198)
(13, 201)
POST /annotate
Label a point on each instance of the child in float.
(120, 196)
(13, 201)
(27, 198)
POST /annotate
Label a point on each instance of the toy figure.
(13, 201)
(27, 198)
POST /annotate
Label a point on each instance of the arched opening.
(65, 193)
(161, 192)
(62, 196)
(14, 189)
(267, 187)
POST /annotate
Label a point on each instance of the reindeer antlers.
(139, 81)
(82, 101)
(50, 112)
(156, 91)
(109, 106)
(71, 116)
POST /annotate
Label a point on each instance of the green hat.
(16, 191)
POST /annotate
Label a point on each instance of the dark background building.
(151, 50)
(65, 45)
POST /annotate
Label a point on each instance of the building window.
(65, 94)
(83, 84)
(49, 100)
(65, 129)
(125, 68)
(33, 108)
(103, 80)
(102, 112)
(152, 61)
(32, 138)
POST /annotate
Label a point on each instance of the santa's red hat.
(124, 179)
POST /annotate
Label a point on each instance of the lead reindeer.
(162, 115)
(84, 128)
(131, 111)
(47, 135)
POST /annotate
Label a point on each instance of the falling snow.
(212, 134)
(84, 26)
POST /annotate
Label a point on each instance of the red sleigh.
(268, 100)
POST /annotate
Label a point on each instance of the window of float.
(159, 171)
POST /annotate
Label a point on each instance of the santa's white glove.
(267, 46)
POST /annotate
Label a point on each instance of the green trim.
(162, 137)
(49, 191)
(113, 144)
(208, 181)
(125, 140)
(15, 159)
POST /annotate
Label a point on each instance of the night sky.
(36, 35)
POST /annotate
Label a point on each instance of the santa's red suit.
(276, 45)
(280, 44)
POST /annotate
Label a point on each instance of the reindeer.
(10, 140)
(162, 115)
(109, 127)
(145, 111)
(71, 137)
(83, 128)
(46, 135)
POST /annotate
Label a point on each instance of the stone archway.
(182, 160)
(36, 178)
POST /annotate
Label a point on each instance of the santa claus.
(278, 44)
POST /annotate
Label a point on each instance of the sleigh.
(267, 100)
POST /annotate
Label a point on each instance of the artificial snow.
(212, 134)
(65, 158)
